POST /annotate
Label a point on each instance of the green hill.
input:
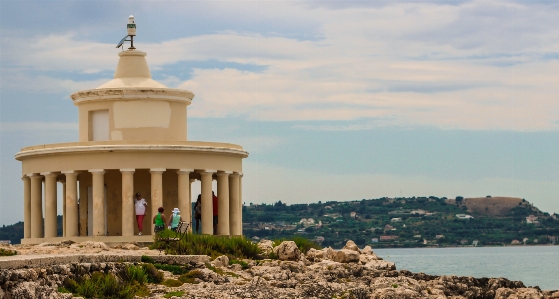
(404, 222)
(393, 222)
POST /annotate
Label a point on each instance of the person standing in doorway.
(214, 199)
(140, 205)
(198, 211)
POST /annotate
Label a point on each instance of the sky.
(333, 100)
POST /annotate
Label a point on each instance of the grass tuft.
(172, 283)
(244, 265)
(191, 276)
(193, 244)
(171, 294)
(7, 252)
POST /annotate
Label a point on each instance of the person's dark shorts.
(215, 220)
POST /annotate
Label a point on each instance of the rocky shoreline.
(347, 273)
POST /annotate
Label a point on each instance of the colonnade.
(229, 192)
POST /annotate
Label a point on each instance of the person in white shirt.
(140, 205)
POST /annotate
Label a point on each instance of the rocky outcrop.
(267, 247)
(345, 273)
(346, 256)
(287, 251)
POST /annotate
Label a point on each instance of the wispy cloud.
(470, 65)
(6, 127)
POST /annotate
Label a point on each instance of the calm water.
(533, 265)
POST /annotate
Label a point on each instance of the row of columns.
(228, 193)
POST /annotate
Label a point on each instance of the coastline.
(350, 272)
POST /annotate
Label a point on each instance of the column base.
(113, 240)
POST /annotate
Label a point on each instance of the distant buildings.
(396, 219)
(307, 222)
(439, 236)
(532, 219)
(475, 242)
(374, 240)
(464, 216)
(515, 242)
(388, 238)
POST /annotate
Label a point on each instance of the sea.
(533, 265)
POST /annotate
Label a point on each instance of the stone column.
(234, 204)
(26, 206)
(50, 204)
(184, 195)
(71, 201)
(207, 205)
(36, 206)
(64, 215)
(223, 227)
(98, 180)
(156, 192)
(241, 204)
(128, 211)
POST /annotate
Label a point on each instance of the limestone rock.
(91, 244)
(267, 246)
(130, 246)
(287, 251)
(315, 255)
(367, 250)
(328, 253)
(350, 245)
(221, 261)
(346, 256)
(522, 293)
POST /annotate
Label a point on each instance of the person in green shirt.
(159, 220)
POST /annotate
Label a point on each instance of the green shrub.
(172, 283)
(153, 275)
(147, 259)
(171, 294)
(135, 273)
(214, 246)
(102, 285)
(191, 276)
(243, 264)
(303, 244)
(7, 252)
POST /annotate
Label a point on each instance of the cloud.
(6, 127)
(471, 65)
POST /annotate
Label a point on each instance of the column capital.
(206, 171)
(69, 172)
(97, 170)
(24, 177)
(235, 174)
(128, 170)
(156, 170)
(224, 173)
(48, 174)
(185, 170)
(30, 174)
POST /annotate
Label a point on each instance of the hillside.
(407, 222)
(393, 222)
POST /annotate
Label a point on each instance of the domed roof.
(132, 71)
